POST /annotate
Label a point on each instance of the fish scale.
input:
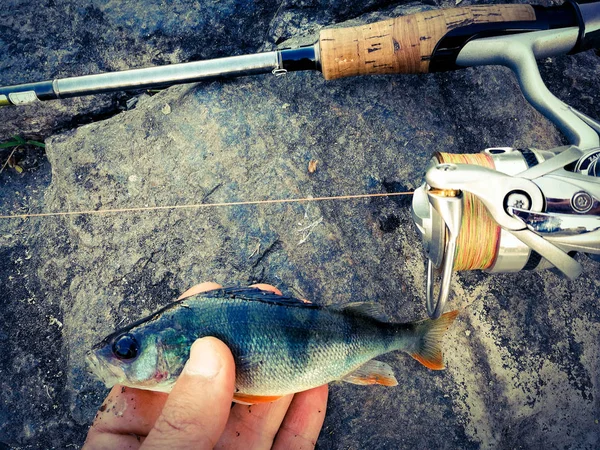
(292, 338)
(280, 344)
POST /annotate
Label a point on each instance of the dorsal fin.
(255, 294)
(364, 309)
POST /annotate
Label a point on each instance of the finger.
(199, 288)
(303, 421)
(267, 287)
(253, 426)
(126, 411)
(196, 411)
(107, 441)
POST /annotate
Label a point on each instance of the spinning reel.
(507, 209)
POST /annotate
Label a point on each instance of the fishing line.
(477, 244)
(202, 205)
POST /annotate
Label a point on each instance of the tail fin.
(429, 334)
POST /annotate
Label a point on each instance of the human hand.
(198, 414)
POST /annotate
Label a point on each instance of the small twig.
(8, 160)
(312, 225)
(306, 210)
(211, 192)
(310, 228)
(256, 250)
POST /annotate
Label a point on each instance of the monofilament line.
(477, 245)
(201, 205)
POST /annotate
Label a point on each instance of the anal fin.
(372, 372)
(247, 399)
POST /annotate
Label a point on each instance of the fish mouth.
(107, 373)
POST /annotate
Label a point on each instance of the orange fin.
(429, 334)
(199, 288)
(372, 372)
(247, 399)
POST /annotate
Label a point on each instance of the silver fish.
(280, 344)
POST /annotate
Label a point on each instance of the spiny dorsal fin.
(429, 335)
(372, 372)
(365, 309)
(255, 294)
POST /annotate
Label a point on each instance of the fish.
(280, 344)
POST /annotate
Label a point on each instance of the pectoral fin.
(372, 372)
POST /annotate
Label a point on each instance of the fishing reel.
(508, 209)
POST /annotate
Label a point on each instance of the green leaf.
(18, 140)
(9, 144)
(37, 143)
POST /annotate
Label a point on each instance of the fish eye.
(125, 347)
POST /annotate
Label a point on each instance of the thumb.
(197, 409)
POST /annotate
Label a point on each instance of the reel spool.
(481, 243)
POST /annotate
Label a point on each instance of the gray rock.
(522, 359)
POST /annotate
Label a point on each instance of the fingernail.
(204, 361)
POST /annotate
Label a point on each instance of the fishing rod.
(429, 41)
(502, 210)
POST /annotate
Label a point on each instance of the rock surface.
(523, 361)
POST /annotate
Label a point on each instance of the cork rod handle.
(404, 44)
